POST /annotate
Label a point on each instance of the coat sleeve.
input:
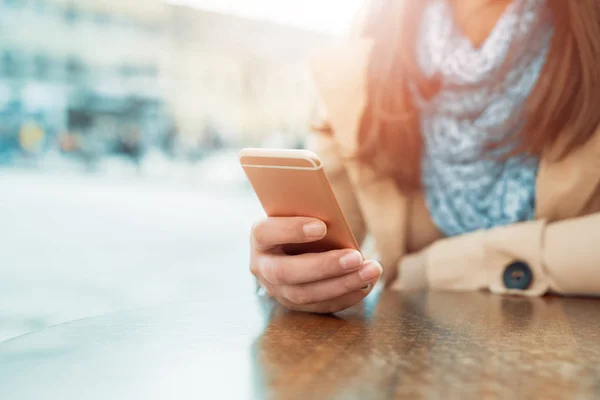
(333, 163)
(326, 147)
(530, 259)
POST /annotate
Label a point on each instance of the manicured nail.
(370, 272)
(315, 230)
(351, 260)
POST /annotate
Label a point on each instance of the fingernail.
(315, 230)
(370, 272)
(367, 288)
(351, 260)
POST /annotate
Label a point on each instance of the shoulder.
(362, 17)
(339, 72)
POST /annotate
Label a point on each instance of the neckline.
(459, 33)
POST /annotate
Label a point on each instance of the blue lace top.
(482, 91)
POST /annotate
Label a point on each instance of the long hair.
(561, 113)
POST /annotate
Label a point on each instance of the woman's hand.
(319, 283)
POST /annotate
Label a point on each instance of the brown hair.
(561, 113)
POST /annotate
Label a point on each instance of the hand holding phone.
(304, 253)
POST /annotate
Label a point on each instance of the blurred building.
(100, 75)
(87, 68)
(245, 78)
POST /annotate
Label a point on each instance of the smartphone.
(292, 183)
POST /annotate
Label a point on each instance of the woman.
(462, 135)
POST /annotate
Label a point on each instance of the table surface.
(416, 345)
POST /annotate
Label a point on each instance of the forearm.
(530, 259)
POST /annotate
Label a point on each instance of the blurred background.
(120, 122)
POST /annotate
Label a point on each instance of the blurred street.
(75, 245)
(120, 185)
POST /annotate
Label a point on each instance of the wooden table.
(414, 345)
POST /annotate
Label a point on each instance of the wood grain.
(436, 345)
(411, 345)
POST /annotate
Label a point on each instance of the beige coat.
(561, 247)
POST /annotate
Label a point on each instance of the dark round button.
(518, 276)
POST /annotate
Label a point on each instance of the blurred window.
(80, 119)
(41, 66)
(75, 68)
(8, 64)
(72, 14)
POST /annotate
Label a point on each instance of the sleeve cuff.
(506, 260)
(412, 274)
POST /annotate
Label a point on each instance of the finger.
(329, 289)
(273, 232)
(293, 270)
(331, 306)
